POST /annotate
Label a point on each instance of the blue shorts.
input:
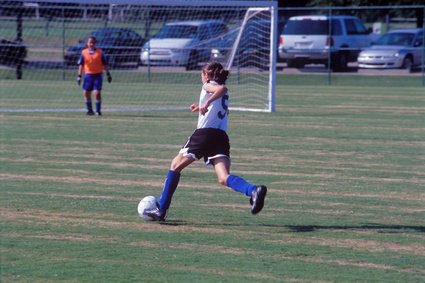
(207, 143)
(93, 82)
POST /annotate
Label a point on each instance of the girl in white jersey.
(209, 141)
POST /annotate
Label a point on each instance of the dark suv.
(12, 52)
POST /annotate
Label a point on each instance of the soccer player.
(209, 141)
(93, 61)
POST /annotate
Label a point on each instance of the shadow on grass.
(385, 228)
(175, 223)
(313, 228)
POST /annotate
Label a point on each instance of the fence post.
(19, 40)
(148, 45)
(237, 59)
(63, 43)
(423, 48)
(329, 45)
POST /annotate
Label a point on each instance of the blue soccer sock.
(170, 187)
(98, 105)
(89, 106)
(240, 185)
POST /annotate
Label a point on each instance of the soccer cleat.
(257, 199)
(99, 113)
(156, 214)
(90, 113)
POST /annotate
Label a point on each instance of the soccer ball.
(149, 202)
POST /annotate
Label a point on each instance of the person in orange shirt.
(93, 61)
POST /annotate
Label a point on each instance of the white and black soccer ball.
(149, 202)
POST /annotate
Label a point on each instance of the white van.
(183, 43)
(306, 40)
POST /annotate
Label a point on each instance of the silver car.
(402, 48)
(183, 43)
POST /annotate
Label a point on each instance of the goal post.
(51, 32)
(245, 28)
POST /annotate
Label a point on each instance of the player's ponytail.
(223, 75)
(216, 72)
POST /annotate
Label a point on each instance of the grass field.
(345, 167)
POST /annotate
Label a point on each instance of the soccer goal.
(155, 52)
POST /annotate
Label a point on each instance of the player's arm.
(217, 91)
(80, 71)
(106, 66)
(104, 62)
(80, 65)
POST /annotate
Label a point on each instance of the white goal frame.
(272, 69)
(256, 85)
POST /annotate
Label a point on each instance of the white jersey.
(216, 117)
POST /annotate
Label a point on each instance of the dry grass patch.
(356, 244)
(387, 195)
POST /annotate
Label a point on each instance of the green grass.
(344, 165)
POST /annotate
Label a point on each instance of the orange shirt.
(93, 62)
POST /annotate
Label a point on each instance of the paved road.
(352, 70)
(281, 69)
(308, 69)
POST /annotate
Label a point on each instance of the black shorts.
(207, 143)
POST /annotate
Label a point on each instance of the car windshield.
(396, 39)
(256, 31)
(312, 27)
(251, 32)
(232, 35)
(177, 31)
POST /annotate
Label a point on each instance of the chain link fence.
(40, 36)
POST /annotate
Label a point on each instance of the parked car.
(183, 43)
(305, 40)
(400, 48)
(119, 45)
(12, 52)
(253, 48)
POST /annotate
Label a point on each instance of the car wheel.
(294, 63)
(290, 63)
(341, 63)
(192, 62)
(407, 63)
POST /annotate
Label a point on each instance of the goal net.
(155, 52)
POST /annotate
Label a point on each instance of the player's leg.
(170, 185)
(222, 168)
(180, 162)
(88, 88)
(98, 101)
(173, 177)
(257, 193)
(97, 88)
(89, 106)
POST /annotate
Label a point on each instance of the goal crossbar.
(157, 85)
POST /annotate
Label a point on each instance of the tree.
(355, 3)
(371, 15)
